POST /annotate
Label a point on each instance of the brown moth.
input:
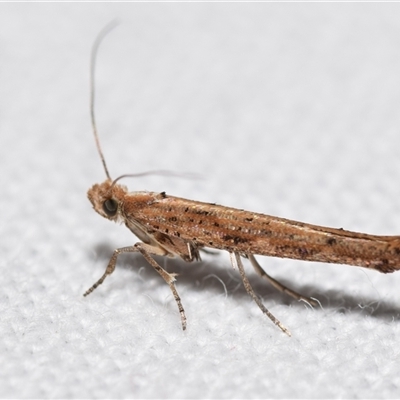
(176, 227)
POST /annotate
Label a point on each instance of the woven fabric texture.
(286, 109)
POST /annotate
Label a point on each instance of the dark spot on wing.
(331, 241)
(234, 239)
(303, 252)
(384, 266)
(201, 212)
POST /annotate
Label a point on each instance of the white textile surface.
(287, 109)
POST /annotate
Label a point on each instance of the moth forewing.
(231, 229)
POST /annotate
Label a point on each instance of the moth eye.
(110, 207)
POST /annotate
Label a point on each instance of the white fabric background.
(287, 109)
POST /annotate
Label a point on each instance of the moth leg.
(237, 262)
(277, 285)
(146, 251)
(111, 266)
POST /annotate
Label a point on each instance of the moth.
(176, 227)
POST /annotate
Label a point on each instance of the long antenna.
(93, 57)
(161, 172)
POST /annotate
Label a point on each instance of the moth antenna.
(93, 57)
(161, 172)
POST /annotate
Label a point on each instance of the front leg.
(147, 251)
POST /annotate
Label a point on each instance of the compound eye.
(110, 207)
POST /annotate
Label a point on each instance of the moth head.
(107, 199)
